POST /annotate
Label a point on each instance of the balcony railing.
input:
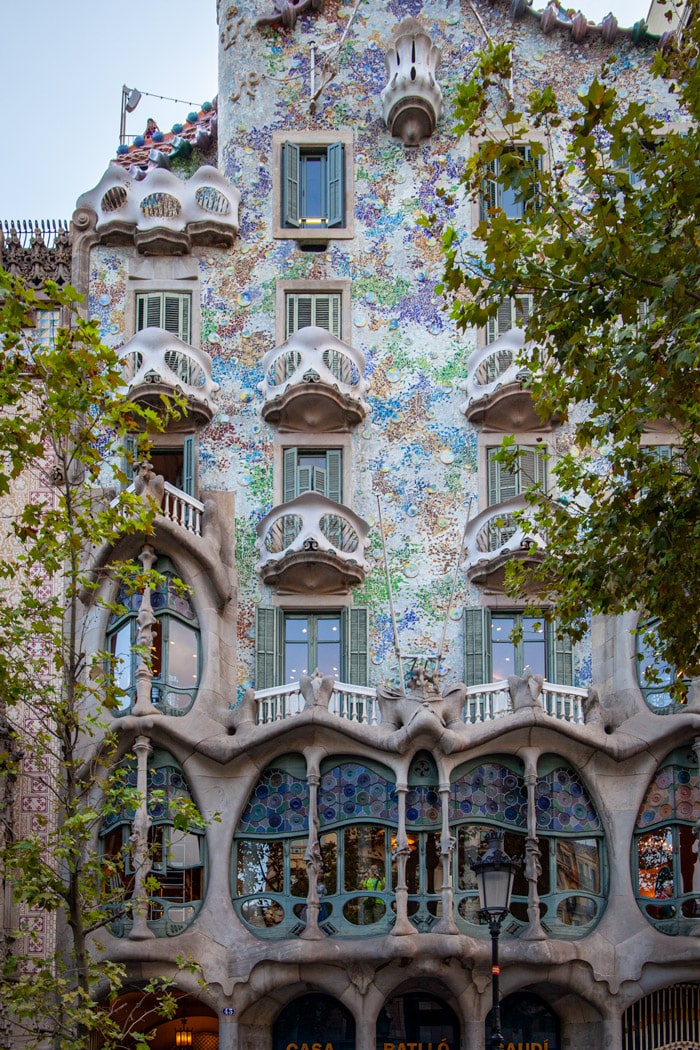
(314, 380)
(312, 542)
(353, 703)
(180, 508)
(495, 384)
(156, 362)
(160, 212)
(495, 535)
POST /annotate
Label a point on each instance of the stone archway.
(527, 1023)
(314, 1022)
(419, 1018)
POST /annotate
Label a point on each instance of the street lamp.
(494, 872)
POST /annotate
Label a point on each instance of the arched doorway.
(314, 1021)
(527, 1023)
(415, 1017)
(668, 1019)
(193, 1026)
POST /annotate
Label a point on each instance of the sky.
(64, 64)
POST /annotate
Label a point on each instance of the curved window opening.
(656, 676)
(176, 654)
(418, 1018)
(665, 862)
(177, 869)
(526, 1020)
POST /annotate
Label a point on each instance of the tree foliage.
(608, 246)
(64, 415)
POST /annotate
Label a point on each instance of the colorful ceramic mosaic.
(355, 792)
(490, 792)
(674, 794)
(562, 804)
(279, 805)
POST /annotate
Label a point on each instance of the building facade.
(340, 692)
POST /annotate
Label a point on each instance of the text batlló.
(417, 1046)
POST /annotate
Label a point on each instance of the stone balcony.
(496, 386)
(157, 363)
(312, 545)
(160, 214)
(314, 381)
(494, 538)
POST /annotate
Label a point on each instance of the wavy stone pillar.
(144, 640)
(403, 925)
(141, 857)
(314, 864)
(412, 98)
(533, 866)
(446, 923)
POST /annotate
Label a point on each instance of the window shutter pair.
(477, 650)
(320, 310)
(512, 313)
(327, 481)
(505, 482)
(188, 461)
(269, 638)
(168, 310)
(492, 190)
(293, 183)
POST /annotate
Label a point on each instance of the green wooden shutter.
(268, 642)
(477, 645)
(188, 465)
(502, 322)
(532, 468)
(291, 162)
(354, 625)
(560, 656)
(503, 481)
(289, 475)
(128, 457)
(334, 184)
(334, 476)
(489, 191)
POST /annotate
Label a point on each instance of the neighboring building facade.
(337, 424)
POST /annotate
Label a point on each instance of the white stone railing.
(182, 509)
(314, 355)
(312, 523)
(178, 507)
(154, 356)
(495, 532)
(493, 367)
(354, 703)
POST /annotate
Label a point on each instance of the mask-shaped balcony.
(157, 363)
(160, 213)
(494, 538)
(314, 382)
(312, 545)
(412, 98)
(497, 395)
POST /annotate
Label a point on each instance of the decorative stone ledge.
(412, 98)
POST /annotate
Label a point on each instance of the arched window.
(269, 869)
(419, 1018)
(177, 856)
(665, 860)
(314, 1019)
(571, 882)
(654, 674)
(176, 658)
(526, 1020)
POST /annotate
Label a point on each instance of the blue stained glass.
(490, 791)
(356, 791)
(286, 804)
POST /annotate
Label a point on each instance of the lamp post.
(495, 872)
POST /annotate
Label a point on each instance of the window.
(313, 470)
(177, 464)
(313, 192)
(506, 481)
(655, 676)
(46, 326)
(177, 855)
(665, 861)
(290, 644)
(512, 313)
(176, 656)
(322, 310)
(312, 179)
(491, 794)
(511, 186)
(492, 655)
(168, 310)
